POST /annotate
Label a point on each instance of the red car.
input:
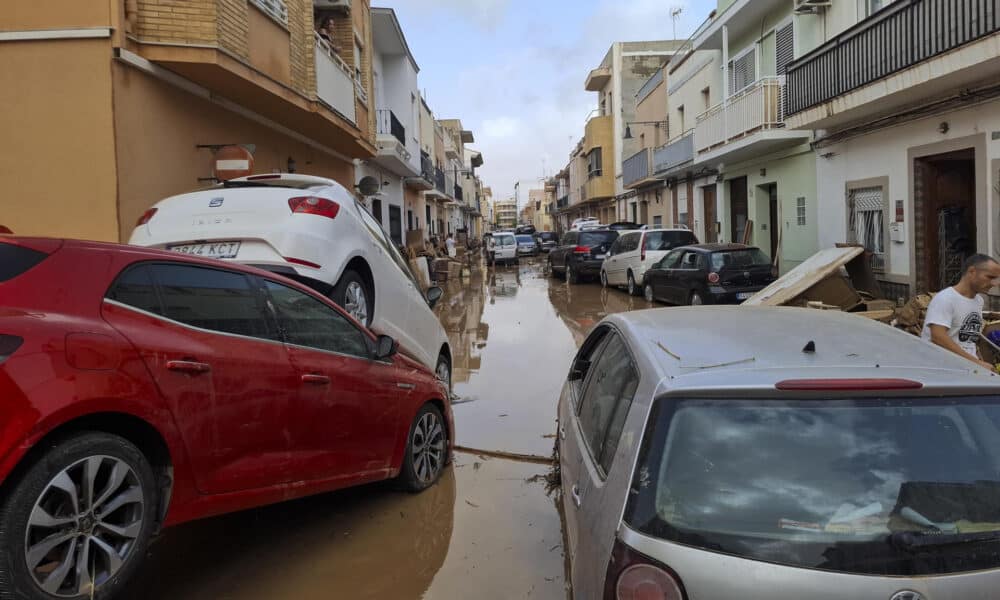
(141, 388)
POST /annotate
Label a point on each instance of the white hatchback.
(636, 251)
(313, 230)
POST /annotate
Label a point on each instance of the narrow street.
(488, 525)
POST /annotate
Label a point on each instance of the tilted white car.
(313, 230)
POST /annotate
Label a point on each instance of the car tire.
(695, 299)
(426, 450)
(604, 278)
(572, 277)
(633, 289)
(26, 535)
(647, 292)
(353, 295)
(443, 371)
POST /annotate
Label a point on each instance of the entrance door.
(738, 213)
(409, 220)
(377, 210)
(773, 226)
(396, 224)
(711, 234)
(945, 201)
(428, 220)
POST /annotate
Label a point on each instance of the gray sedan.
(714, 453)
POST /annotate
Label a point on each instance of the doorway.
(396, 224)
(770, 192)
(409, 220)
(377, 210)
(944, 206)
(738, 213)
(428, 220)
(708, 198)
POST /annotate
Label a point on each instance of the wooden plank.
(796, 282)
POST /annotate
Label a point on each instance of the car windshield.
(842, 485)
(739, 259)
(597, 238)
(525, 239)
(505, 240)
(668, 240)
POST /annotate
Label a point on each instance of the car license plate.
(600, 256)
(216, 250)
(743, 295)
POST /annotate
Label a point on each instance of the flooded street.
(488, 526)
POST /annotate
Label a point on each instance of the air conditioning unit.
(344, 5)
(811, 6)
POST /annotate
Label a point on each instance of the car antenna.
(810, 347)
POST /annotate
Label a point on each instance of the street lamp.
(628, 131)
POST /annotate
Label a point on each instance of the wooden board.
(793, 284)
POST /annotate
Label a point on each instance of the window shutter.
(742, 72)
(784, 48)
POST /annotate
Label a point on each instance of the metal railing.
(562, 202)
(674, 153)
(636, 167)
(388, 124)
(687, 48)
(899, 36)
(276, 9)
(426, 166)
(757, 107)
(439, 180)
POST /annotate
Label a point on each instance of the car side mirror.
(385, 347)
(433, 295)
(579, 369)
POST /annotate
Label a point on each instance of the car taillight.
(635, 576)
(713, 278)
(146, 216)
(311, 205)
(581, 250)
(8, 345)
(847, 385)
(5, 230)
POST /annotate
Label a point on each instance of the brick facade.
(232, 26)
(178, 21)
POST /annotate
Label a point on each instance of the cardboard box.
(415, 239)
(419, 267)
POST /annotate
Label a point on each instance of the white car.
(585, 223)
(636, 251)
(504, 247)
(313, 230)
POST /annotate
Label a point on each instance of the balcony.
(597, 79)
(424, 181)
(636, 169)
(873, 67)
(562, 203)
(459, 193)
(334, 80)
(440, 185)
(391, 142)
(747, 124)
(450, 149)
(678, 152)
(388, 124)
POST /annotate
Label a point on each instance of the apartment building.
(505, 212)
(454, 138)
(148, 91)
(653, 203)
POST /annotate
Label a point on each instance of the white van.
(635, 251)
(504, 247)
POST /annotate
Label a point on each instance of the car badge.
(746, 274)
(907, 595)
(215, 202)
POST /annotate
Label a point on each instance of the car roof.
(717, 247)
(719, 348)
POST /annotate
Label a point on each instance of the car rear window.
(840, 485)
(739, 259)
(597, 238)
(548, 236)
(15, 260)
(525, 239)
(668, 240)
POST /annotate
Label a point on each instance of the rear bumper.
(588, 267)
(731, 295)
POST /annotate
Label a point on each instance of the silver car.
(715, 453)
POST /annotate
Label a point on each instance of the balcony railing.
(388, 124)
(903, 34)
(439, 180)
(334, 80)
(426, 166)
(459, 193)
(636, 167)
(674, 153)
(562, 202)
(758, 107)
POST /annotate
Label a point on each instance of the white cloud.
(500, 128)
(487, 14)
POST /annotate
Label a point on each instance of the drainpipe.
(725, 81)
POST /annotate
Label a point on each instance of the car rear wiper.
(918, 540)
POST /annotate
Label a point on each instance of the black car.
(625, 226)
(581, 253)
(709, 274)
(525, 229)
(547, 240)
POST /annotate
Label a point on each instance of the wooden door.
(738, 211)
(711, 234)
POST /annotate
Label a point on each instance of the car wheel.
(353, 295)
(647, 292)
(696, 299)
(77, 523)
(443, 371)
(633, 289)
(571, 275)
(426, 450)
(604, 278)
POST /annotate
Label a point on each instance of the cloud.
(500, 128)
(486, 14)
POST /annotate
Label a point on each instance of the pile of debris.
(910, 318)
(429, 259)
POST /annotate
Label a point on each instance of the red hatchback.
(141, 389)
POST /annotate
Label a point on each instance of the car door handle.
(315, 379)
(189, 366)
(406, 386)
(574, 492)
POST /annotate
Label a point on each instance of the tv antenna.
(675, 14)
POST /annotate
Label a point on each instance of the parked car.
(626, 226)
(313, 230)
(526, 245)
(636, 251)
(547, 240)
(584, 222)
(145, 388)
(525, 229)
(709, 274)
(580, 254)
(504, 248)
(789, 446)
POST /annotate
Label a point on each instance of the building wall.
(652, 107)
(59, 159)
(636, 71)
(599, 133)
(23, 15)
(401, 97)
(702, 70)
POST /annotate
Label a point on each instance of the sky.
(513, 70)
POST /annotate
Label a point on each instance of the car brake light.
(262, 177)
(146, 216)
(635, 576)
(311, 205)
(581, 250)
(304, 263)
(8, 345)
(713, 278)
(847, 385)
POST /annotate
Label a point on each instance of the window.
(357, 62)
(800, 210)
(135, 288)
(667, 240)
(690, 260)
(377, 210)
(15, 260)
(739, 259)
(212, 299)
(276, 9)
(866, 226)
(308, 322)
(606, 400)
(657, 221)
(784, 49)
(594, 163)
(876, 5)
(672, 260)
(582, 362)
(742, 70)
(680, 117)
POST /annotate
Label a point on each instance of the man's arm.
(939, 335)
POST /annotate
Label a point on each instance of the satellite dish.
(369, 186)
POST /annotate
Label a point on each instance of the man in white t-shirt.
(955, 315)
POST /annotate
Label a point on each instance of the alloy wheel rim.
(631, 285)
(356, 304)
(428, 447)
(83, 526)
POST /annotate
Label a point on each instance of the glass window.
(672, 260)
(569, 239)
(666, 240)
(800, 210)
(15, 260)
(835, 484)
(212, 299)
(739, 259)
(690, 260)
(308, 322)
(606, 400)
(135, 288)
(657, 221)
(598, 238)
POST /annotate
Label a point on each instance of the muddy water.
(486, 530)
